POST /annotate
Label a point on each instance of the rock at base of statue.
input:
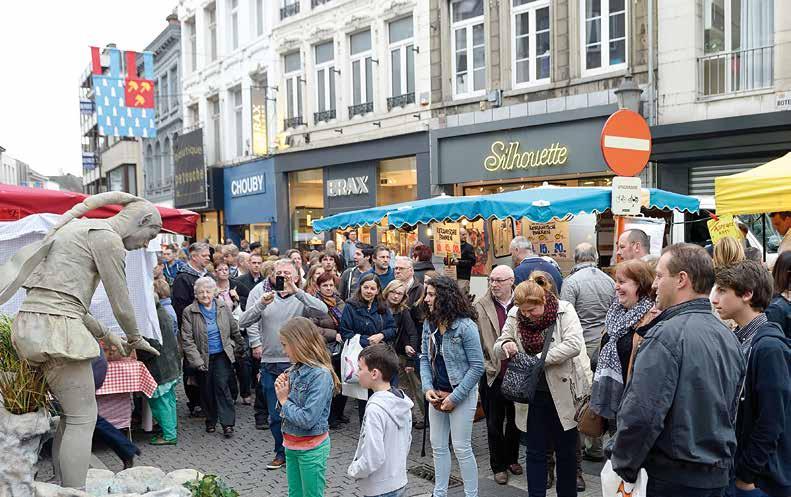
(20, 441)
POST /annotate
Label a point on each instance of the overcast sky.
(44, 47)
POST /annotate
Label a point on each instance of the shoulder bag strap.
(547, 340)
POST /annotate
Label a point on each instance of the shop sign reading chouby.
(343, 187)
(248, 185)
(506, 157)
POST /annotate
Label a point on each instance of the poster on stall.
(479, 239)
(653, 227)
(551, 239)
(723, 226)
(502, 234)
(447, 242)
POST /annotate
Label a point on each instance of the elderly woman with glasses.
(211, 342)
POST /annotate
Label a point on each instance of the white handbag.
(350, 368)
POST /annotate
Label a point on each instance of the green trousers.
(164, 411)
(305, 470)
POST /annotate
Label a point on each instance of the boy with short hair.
(763, 424)
(386, 434)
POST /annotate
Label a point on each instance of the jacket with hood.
(763, 425)
(183, 292)
(421, 268)
(779, 311)
(385, 438)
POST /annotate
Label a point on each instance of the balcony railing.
(316, 3)
(288, 10)
(293, 122)
(323, 116)
(739, 71)
(360, 109)
(400, 100)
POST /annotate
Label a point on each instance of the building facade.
(226, 64)
(353, 97)
(8, 169)
(158, 152)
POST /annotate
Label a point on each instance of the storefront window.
(491, 188)
(397, 183)
(305, 203)
(259, 233)
(209, 227)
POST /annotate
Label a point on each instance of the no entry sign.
(626, 143)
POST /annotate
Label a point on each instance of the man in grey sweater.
(263, 321)
(591, 292)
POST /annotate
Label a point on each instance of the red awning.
(17, 202)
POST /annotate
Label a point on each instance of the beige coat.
(567, 365)
(195, 336)
(489, 328)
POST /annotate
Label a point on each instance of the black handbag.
(522, 374)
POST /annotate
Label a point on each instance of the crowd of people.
(683, 361)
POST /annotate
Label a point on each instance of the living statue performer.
(54, 329)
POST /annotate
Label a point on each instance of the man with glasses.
(405, 271)
(492, 309)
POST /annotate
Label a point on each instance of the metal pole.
(763, 235)
(650, 21)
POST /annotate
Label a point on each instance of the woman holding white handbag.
(537, 316)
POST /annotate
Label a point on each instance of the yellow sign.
(723, 226)
(507, 157)
(446, 239)
(260, 145)
(550, 239)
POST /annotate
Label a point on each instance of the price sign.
(550, 239)
(447, 240)
(723, 226)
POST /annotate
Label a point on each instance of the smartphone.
(280, 283)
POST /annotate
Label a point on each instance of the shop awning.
(762, 189)
(539, 205)
(17, 202)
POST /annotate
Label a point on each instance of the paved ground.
(241, 461)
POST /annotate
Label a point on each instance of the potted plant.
(24, 416)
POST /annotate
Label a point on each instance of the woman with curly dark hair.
(451, 364)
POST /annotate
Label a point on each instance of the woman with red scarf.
(538, 315)
(328, 326)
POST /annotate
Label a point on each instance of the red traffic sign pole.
(626, 143)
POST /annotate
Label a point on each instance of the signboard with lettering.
(189, 171)
(783, 100)
(355, 185)
(723, 226)
(463, 154)
(550, 239)
(626, 195)
(253, 184)
(250, 193)
(259, 121)
(446, 239)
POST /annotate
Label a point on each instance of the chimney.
(172, 19)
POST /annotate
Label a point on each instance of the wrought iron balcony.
(293, 122)
(323, 116)
(316, 3)
(738, 71)
(400, 100)
(288, 10)
(360, 109)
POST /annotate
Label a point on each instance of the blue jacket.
(763, 426)
(384, 279)
(461, 349)
(307, 409)
(536, 263)
(357, 319)
(779, 311)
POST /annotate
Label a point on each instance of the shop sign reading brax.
(356, 185)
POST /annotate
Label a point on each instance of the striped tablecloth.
(127, 376)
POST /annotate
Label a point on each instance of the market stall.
(762, 189)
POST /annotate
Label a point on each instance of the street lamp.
(628, 94)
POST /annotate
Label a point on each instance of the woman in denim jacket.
(304, 393)
(451, 364)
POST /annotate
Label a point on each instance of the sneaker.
(501, 478)
(227, 431)
(515, 469)
(262, 426)
(580, 482)
(276, 463)
(419, 425)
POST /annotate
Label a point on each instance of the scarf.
(608, 381)
(332, 306)
(531, 330)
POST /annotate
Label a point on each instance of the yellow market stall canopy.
(765, 188)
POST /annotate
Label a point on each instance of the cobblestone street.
(241, 460)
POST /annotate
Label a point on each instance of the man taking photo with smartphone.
(263, 321)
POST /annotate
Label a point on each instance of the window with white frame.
(211, 31)
(234, 8)
(402, 63)
(603, 35)
(324, 56)
(468, 46)
(238, 131)
(193, 114)
(362, 74)
(259, 17)
(192, 32)
(163, 96)
(175, 89)
(214, 112)
(531, 61)
(292, 64)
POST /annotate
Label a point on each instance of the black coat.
(465, 263)
(779, 311)
(406, 333)
(244, 285)
(183, 292)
